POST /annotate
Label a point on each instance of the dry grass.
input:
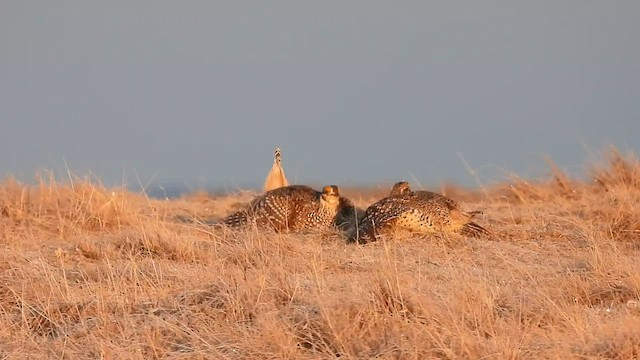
(90, 272)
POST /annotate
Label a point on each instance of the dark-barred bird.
(422, 212)
(292, 208)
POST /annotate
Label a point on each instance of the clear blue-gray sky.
(354, 92)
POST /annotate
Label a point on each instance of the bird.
(276, 178)
(291, 208)
(423, 212)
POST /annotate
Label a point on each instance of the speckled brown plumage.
(416, 211)
(290, 208)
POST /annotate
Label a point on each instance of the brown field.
(90, 272)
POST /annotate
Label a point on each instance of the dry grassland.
(90, 272)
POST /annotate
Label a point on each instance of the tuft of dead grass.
(620, 171)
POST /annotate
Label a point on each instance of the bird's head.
(277, 156)
(400, 188)
(331, 195)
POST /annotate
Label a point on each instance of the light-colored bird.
(276, 177)
(421, 212)
(291, 208)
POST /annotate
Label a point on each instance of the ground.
(91, 272)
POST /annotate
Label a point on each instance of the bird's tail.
(236, 220)
(348, 216)
(474, 230)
